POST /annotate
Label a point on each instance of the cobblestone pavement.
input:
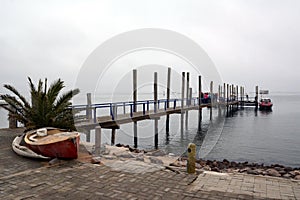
(28, 179)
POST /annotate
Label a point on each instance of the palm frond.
(21, 97)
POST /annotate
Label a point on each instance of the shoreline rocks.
(226, 166)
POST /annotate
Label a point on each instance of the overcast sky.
(250, 42)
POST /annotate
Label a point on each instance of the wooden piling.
(227, 99)
(182, 102)
(211, 99)
(187, 99)
(256, 97)
(134, 107)
(237, 96)
(199, 103)
(224, 95)
(113, 136)
(168, 99)
(97, 140)
(155, 109)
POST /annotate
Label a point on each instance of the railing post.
(124, 108)
(131, 110)
(88, 107)
(115, 111)
(95, 115)
(111, 111)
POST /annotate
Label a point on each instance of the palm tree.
(47, 109)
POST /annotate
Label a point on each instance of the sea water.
(248, 135)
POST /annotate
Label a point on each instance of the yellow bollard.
(191, 162)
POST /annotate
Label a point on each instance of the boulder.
(287, 176)
(96, 160)
(273, 172)
(215, 169)
(297, 172)
(206, 168)
(288, 169)
(297, 177)
(254, 172)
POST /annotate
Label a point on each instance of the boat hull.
(66, 148)
(265, 107)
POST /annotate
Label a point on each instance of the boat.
(265, 104)
(53, 142)
(22, 150)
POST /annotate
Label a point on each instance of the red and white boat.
(265, 104)
(53, 142)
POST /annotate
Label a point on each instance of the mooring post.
(168, 99)
(211, 99)
(182, 101)
(199, 103)
(12, 121)
(155, 108)
(89, 106)
(191, 162)
(97, 140)
(134, 107)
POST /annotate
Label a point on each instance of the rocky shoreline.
(225, 166)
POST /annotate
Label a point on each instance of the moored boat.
(53, 142)
(265, 104)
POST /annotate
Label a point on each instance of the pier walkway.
(148, 109)
(22, 178)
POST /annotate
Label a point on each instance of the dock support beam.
(155, 109)
(187, 100)
(256, 97)
(113, 136)
(182, 102)
(199, 103)
(227, 100)
(134, 107)
(211, 99)
(168, 103)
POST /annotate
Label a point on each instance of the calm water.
(264, 137)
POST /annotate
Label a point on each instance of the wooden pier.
(88, 117)
(133, 111)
